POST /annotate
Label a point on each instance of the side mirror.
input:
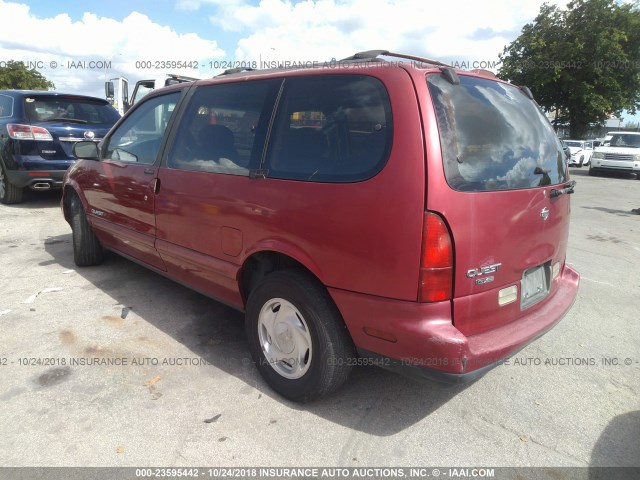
(109, 90)
(86, 150)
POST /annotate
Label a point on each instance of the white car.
(581, 151)
(620, 154)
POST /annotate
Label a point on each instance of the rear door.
(497, 179)
(204, 192)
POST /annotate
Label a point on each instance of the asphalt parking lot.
(185, 392)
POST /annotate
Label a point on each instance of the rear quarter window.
(6, 106)
(493, 137)
(332, 128)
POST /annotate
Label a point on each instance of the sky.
(79, 45)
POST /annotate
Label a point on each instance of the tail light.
(28, 132)
(436, 264)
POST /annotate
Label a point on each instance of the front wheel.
(297, 337)
(86, 247)
(592, 172)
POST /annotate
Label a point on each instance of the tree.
(15, 75)
(582, 62)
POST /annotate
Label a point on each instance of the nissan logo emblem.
(544, 213)
(89, 135)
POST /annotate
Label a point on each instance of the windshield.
(493, 137)
(69, 109)
(572, 144)
(625, 140)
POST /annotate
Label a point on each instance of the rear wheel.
(87, 250)
(297, 337)
(9, 193)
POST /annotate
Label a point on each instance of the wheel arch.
(262, 262)
(70, 190)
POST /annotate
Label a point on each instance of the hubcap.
(284, 338)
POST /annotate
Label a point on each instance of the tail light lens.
(27, 132)
(436, 265)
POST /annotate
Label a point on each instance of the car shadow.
(584, 172)
(620, 213)
(41, 199)
(617, 446)
(373, 401)
(579, 172)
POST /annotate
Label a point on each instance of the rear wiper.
(64, 119)
(566, 188)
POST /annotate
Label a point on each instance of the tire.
(315, 354)
(87, 250)
(580, 163)
(592, 172)
(9, 193)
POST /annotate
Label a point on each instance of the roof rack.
(235, 70)
(181, 77)
(374, 54)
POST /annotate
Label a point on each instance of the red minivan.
(395, 213)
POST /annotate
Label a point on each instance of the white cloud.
(323, 29)
(99, 39)
(191, 5)
(269, 30)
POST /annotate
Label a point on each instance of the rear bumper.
(428, 345)
(32, 179)
(615, 166)
(29, 171)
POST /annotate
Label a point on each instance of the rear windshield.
(69, 109)
(493, 137)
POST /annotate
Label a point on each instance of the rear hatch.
(67, 119)
(500, 181)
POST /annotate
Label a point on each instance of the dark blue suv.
(38, 130)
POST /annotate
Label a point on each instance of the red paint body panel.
(427, 338)
(121, 207)
(201, 272)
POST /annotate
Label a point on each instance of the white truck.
(117, 89)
